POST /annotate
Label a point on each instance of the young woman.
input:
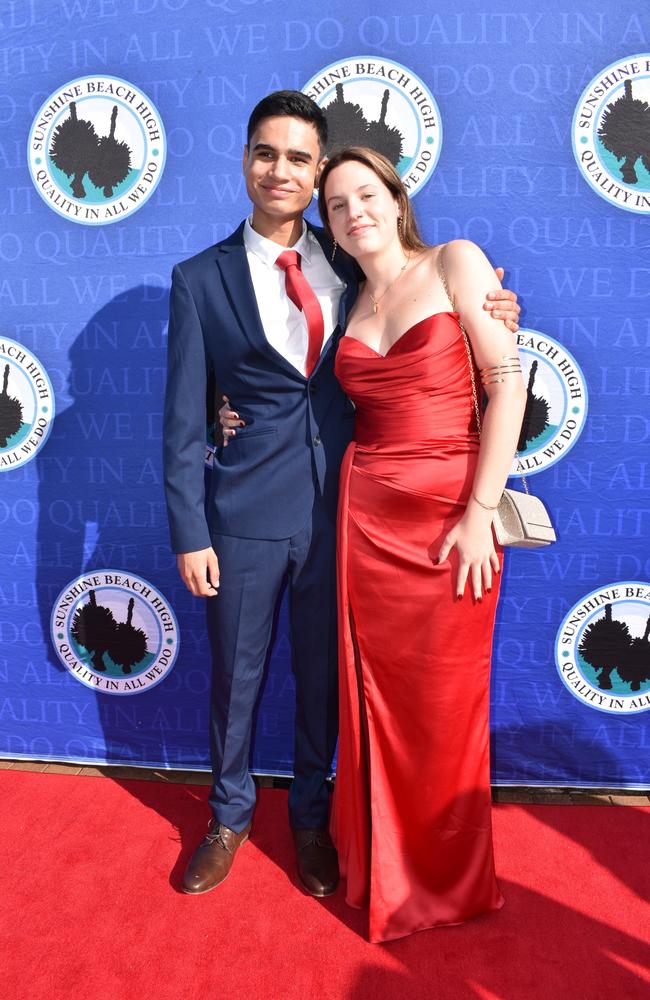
(417, 563)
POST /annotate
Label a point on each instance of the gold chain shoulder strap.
(470, 358)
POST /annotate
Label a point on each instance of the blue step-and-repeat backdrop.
(526, 130)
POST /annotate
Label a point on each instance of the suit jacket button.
(317, 439)
(313, 388)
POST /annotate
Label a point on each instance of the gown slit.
(412, 803)
(365, 762)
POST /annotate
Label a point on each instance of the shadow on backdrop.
(101, 506)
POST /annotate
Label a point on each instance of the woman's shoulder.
(451, 254)
(461, 251)
(463, 261)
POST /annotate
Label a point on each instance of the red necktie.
(302, 295)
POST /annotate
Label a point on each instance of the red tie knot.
(288, 258)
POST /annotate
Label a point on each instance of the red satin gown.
(412, 806)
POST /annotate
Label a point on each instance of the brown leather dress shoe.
(212, 860)
(318, 863)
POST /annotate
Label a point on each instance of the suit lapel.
(238, 285)
(345, 268)
(326, 246)
(347, 301)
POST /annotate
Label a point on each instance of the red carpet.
(92, 910)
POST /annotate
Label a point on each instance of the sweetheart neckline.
(442, 312)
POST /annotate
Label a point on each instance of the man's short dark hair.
(292, 104)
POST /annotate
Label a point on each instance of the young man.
(265, 309)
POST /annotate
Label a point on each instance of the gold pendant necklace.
(375, 302)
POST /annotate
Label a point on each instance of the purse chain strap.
(470, 359)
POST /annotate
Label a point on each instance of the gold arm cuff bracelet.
(495, 373)
(513, 362)
(499, 376)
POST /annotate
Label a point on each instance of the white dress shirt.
(284, 324)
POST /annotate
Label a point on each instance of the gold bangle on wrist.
(483, 505)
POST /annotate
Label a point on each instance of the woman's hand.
(229, 420)
(477, 557)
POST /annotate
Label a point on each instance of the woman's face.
(362, 212)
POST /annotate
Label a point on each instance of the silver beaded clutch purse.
(523, 521)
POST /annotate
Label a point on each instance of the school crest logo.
(370, 101)
(115, 632)
(602, 649)
(556, 404)
(611, 133)
(26, 405)
(96, 150)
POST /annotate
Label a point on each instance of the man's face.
(281, 166)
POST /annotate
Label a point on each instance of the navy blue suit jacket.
(264, 483)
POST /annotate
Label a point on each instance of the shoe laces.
(215, 836)
(317, 838)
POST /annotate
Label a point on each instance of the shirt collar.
(268, 251)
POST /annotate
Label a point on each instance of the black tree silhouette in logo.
(635, 666)
(74, 149)
(346, 123)
(92, 627)
(536, 413)
(11, 411)
(382, 137)
(625, 132)
(127, 644)
(112, 161)
(604, 646)
(347, 126)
